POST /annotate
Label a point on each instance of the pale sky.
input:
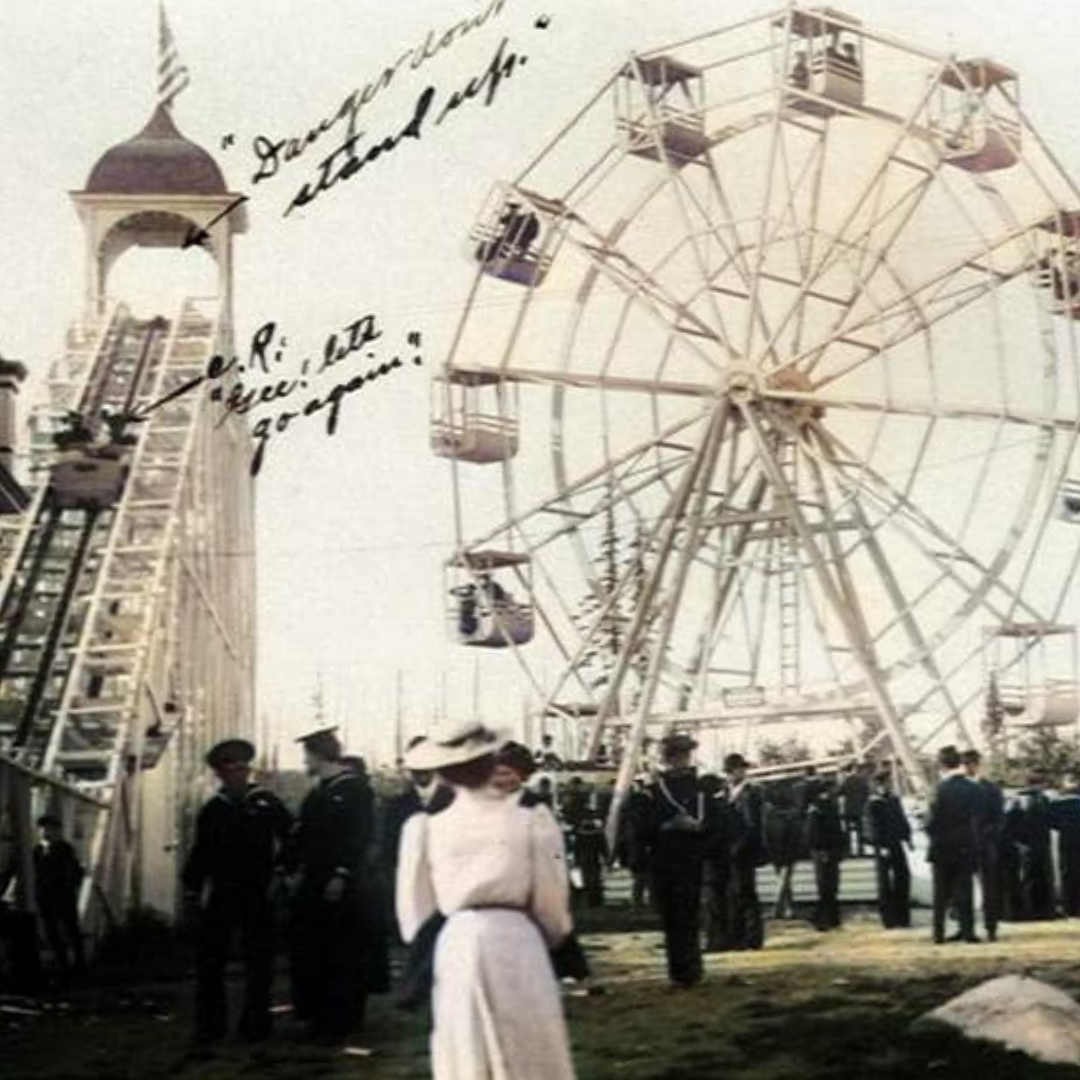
(352, 531)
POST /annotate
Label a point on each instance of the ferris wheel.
(766, 391)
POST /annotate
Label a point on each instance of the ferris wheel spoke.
(903, 209)
(861, 651)
(655, 603)
(864, 480)
(926, 304)
(572, 655)
(971, 698)
(925, 410)
(573, 651)
(590, 636)
(686, 202)
(590, 381)
(903, 607)
(805, 236)
(618, 269)
(813, 227)
(723, 230)
(832, 526)
(728, 588)
(758, 261)
(838, 558)
(569, 519)
(693, 496)
(559, 503)
(854, 254)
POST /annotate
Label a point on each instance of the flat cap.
(230, 752)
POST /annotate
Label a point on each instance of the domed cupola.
(157, 161)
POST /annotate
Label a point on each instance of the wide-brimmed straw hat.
(455, 744)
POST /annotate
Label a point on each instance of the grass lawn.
(807, 1008)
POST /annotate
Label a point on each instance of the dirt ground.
(809, 1007)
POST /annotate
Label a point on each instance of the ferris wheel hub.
(742, 384)
(786, 395)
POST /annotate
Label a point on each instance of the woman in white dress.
(496, 871)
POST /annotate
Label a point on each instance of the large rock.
(1020, 1014)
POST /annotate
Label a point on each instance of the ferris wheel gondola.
(810, 396)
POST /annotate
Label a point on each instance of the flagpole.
(174, 77)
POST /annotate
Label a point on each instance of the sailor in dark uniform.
(746, 828)
(227, 880)
(1065, 818)
(827, 841)
(1011, 854)
(717, 868)
(335, 915)
(889, 831)
(991, 824)
(785, 843)
(635, 818)
(675, 834)
(1036, 858)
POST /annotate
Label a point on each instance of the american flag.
(173, 76)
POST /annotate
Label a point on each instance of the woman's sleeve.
(415, 891)
(550, 903)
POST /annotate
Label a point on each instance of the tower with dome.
(127, 607)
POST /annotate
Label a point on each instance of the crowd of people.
(1006, 843)
(698, 842)
(471, 861)
(464, 865)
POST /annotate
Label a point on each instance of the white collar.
(426, 792)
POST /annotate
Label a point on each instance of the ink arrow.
(197, 237)
(142, 414)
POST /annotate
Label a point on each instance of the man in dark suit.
(855, 788)
(746, 825)
(58, 876)
(890, 834)
(991, 824)
(785, 842)
(953, 829)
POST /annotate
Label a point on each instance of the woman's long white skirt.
(498, 1012)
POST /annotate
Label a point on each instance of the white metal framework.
(809, 372)
(127, 623)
